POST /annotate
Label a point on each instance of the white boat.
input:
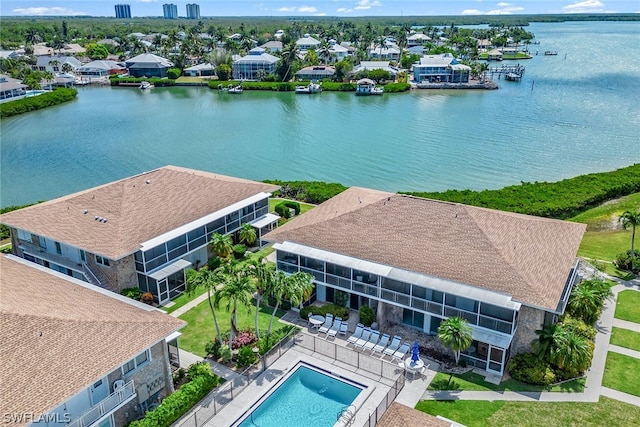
(234, 89)
(513, 77)
(145, 85)
(312, 88)
(550, 53)
(365, 87)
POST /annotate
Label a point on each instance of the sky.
(339, 8)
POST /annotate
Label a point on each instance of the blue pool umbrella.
(414, 351)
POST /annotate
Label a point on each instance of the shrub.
(173, 73)
(341, 298)
(528, 368)
(214, 262)
(239, 251)
(147, 298)
(282, 210)
(183, 399)
(178, 376)
(578, 327)
(244, 338)
(265, 345)
(39, 102)
(128, 81)
(367, 316)
(226, 354)
(628, 261)
(213, 348)
(396, 87)
(336, 310)
(307, 191)
(133, 293)
(246, 357)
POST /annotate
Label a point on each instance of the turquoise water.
(582, 116)
(306, 398)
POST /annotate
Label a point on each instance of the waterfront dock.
(504, 70)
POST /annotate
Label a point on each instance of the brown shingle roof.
(527, 257)
(398, 415)
(135, 211)
(57, 337)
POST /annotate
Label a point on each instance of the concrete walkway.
(188, 306)
(593, 386)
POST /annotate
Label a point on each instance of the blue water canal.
(582, 116)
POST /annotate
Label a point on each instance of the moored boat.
(312, 88)
(145, 85)
(550, 53)
(234, 89)
(365, 87)
(513, 77)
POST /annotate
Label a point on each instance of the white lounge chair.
(326, 325)
(357, 334)
(402, 351)
(343, 329)
(333, 331)
(375, 336)
(366, 334)
(393, 347)
(381, 345)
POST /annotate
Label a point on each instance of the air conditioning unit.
(117, 385)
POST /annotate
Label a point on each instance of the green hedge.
(48, 99)
(273, 86)
(526, 367)
(183, 399)
(396, 87)
(562, 199)
(307, 191)
(283, 207)
(336, 310)
(127, 81)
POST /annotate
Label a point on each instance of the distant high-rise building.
(123, 11)
(170, 11)
(193, 11)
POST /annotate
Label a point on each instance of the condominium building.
(193, 11)
(170, 11)
(123, 11)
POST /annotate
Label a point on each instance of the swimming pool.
(31, 93)
(308, 397)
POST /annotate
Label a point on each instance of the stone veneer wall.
(388, 314)
(119, 275)
(154, 375)
(529, 320)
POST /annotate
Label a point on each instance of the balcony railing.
(41, 253)
(106, 406)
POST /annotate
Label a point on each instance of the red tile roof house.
(418, 261)
(75, 354)
(142, 231)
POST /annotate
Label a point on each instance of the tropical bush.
(244, 338)
(283, 207)
(307, 191)
(246, 357)
(48, 99)
(264, 344)
(336, 310)
(127, 81)
(629, 261)
(213, 349)
(183, 399)
(528, 368)
(578, 327)
(562, 199)
(367, 316)
(587, 298)
(396, 87)
(173, 73)
(225, 353)
(133, 293)
(266, 85)
(239, 251)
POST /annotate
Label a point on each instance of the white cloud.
(366, 4)
(47, 11)
(344, 10)
(287, 9)
(472, 12)
(502, 4)
(584, 6)
(320, 14)
(307, 9)
(504, 10)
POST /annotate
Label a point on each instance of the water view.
(571, 114)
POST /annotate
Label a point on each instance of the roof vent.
(104, 219)
(148, 181)
(96, 218)
(86, 211)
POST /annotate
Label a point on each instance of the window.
(58, 248)
(103, 261)
(83, 257)
(136, 362)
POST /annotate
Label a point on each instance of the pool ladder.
(347, 415)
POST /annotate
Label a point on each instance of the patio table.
(316, 321)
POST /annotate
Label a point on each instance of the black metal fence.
(374, 417)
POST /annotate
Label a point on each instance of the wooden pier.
(504, 70)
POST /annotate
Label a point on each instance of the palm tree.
(265, 279)
(544, 343)
(247, 233)
(571, 352)
(208, 279)
(324, 52)
(32, 37)
(221, 245)
(67, 68)
(296, 288)
(455, 334)
(289, 56)
(631, 219)
(237, 289)
(585, 303)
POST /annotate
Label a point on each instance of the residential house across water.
(443, 68)
(142, 231)
(417, 261)
(248, 67)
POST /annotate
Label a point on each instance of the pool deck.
(367, 402)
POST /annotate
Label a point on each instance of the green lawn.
(627, 306)
(602, 216)
(471, 381)
(605, 245)
(183, 299)
(625, 338)
(304, 207)
(622, 373)
(200, 329)
(606, 412)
